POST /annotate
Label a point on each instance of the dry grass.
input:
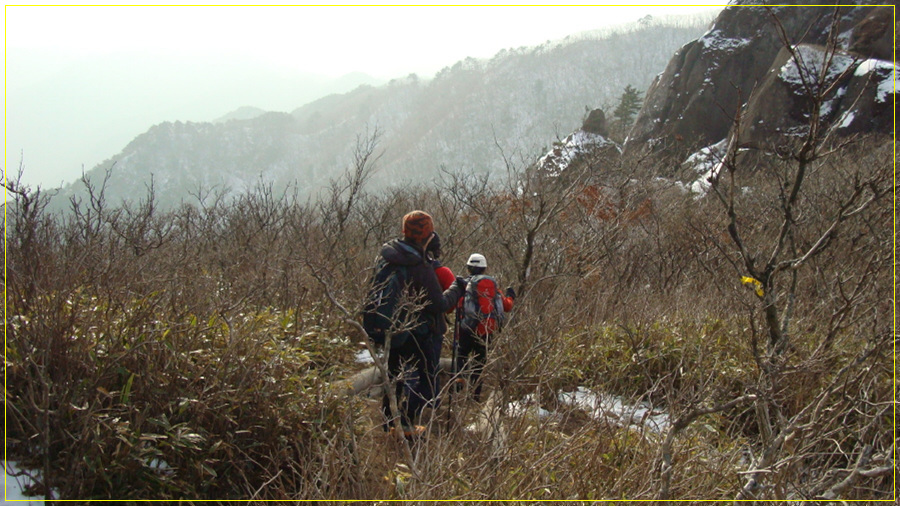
(201, 338)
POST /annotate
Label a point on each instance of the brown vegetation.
(205, 339)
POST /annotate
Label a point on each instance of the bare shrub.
(200, 353)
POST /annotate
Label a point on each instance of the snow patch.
(364, 357)
(844, 38)
(610, 408)
(846, 119)
(714, 40)
(810, 64)
(885, 74)
(528, 406)
(561, 156)
(707, 162)
(826, 108)
(615, 409)
(15, 486)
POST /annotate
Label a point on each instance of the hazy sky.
(384, 41)
(47, 46)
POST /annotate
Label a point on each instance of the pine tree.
(629, 105)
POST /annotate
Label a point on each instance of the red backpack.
(483, 306)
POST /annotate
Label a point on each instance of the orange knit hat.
(417, 226)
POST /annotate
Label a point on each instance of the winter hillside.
(706, 317)
(468, 117)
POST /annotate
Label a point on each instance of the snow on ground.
(364, 357)
(13, 487)
(526, 406)
(846, 119)
(599, 407)
(615, 409)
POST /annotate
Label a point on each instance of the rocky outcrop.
(873, 37)
(588, 145)
(693, 103)
(596, 123)
(855, 98)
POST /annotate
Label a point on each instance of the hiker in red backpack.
(411, 358)
(483, 312)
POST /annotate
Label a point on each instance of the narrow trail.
(481, 418)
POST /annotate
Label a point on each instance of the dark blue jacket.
(423, 280)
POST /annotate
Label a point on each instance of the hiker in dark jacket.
(414, 361)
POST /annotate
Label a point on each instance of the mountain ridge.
(467, 117)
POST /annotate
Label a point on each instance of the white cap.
(477, 260)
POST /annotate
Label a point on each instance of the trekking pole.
(453, 366)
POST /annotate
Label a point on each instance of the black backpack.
(388, 287)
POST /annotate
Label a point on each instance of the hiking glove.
(461, 283)
(511, 293)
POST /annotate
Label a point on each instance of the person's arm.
(438, 301)
(509, 300)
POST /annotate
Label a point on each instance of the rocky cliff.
(776, 64)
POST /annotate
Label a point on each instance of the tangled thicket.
(193, 353)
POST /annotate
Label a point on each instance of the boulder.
(596, 123)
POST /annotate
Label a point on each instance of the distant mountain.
(468, 117)
(68, 116)
(241, 113)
